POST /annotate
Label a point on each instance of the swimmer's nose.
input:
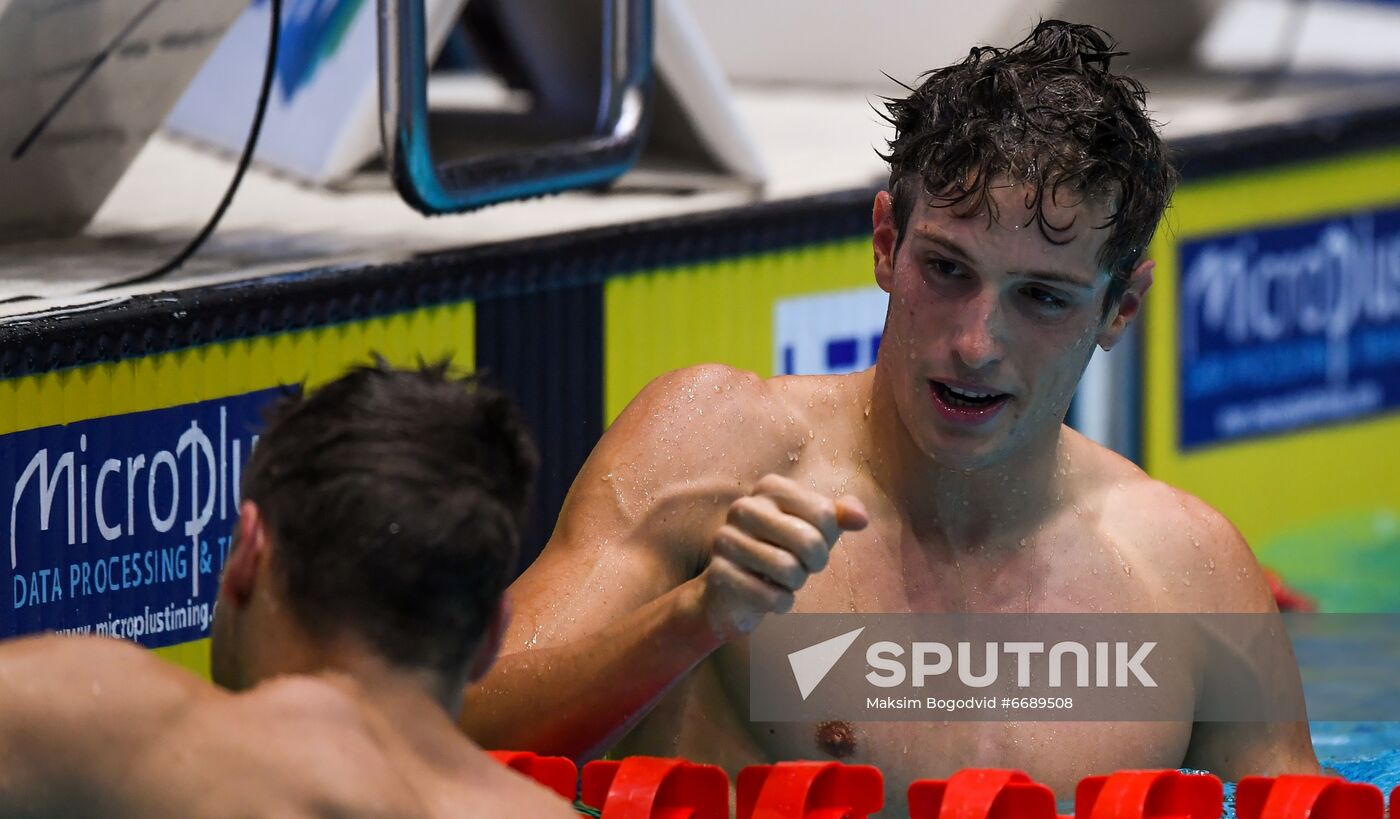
(978, 340)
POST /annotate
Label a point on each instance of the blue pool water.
(1358, 751)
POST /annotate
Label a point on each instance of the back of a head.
(394, 499)
(1048, 111)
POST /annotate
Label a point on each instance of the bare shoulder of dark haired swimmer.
(1025, 183)
(375, 539)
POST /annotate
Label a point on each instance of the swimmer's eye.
(945, 269)
(1045, 298)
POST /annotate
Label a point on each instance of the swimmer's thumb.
(850, 514)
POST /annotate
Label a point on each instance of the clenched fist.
(772, 540)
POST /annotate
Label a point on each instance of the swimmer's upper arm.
(636, 520)
(1230, 580)
(76, 716)
(1215, 568)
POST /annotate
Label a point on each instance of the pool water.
(1358, 751)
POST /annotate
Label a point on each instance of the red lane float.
(981, 794)
(1307, 797)
(1149, 795)
(809, 790)
(558, 773)
(1286, 598)
(648, 787)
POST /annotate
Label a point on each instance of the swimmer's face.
(993, 307)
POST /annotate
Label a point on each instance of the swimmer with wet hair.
(377, 531)
(1025, 184)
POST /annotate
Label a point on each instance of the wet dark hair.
(1047, 111)
(394, 499)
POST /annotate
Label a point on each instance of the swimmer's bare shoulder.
(76, 715)
(659, 481)
(1194, 560)
(1197, 560)
(101, 727)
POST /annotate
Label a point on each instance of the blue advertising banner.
(118, 526)
(1289, 327)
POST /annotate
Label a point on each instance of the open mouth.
(964, 405)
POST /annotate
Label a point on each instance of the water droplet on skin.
(607, 477)
(793, 455)
(1096, 570)
(773, 418)
(1023, 541)
(1186, 581)
(867, 410)
(393, 528)
(1128, 570)
(1210, 565)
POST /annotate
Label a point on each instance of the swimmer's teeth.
(969, 393)
(967, 398)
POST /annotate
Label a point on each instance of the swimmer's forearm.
(579, 698)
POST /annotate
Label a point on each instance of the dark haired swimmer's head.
(1025, 183)
(1049, 116)
(381, 510)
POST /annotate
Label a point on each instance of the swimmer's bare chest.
(1065, 566)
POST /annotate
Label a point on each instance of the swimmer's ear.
(1129, 305)
(491, 640)
(884, 237)
(245, 559)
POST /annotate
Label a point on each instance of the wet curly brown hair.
(1047, 111)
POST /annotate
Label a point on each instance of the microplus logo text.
(119, 525)
(1289, 326)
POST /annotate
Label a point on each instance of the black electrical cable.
(243, 162)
